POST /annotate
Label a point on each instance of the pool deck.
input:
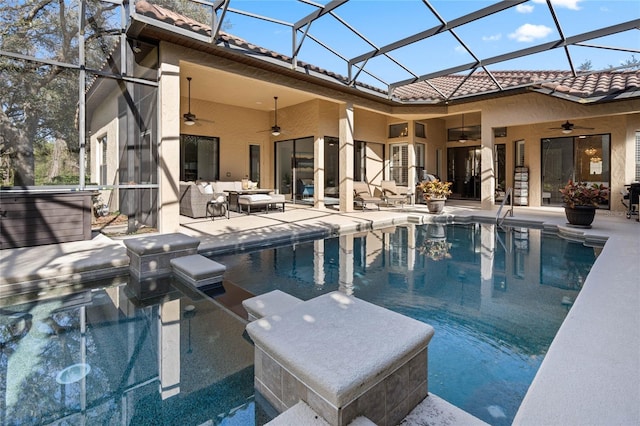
(590, 375)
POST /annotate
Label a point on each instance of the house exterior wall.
(527, 116)
(105, 122)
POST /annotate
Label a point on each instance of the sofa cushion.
(221, 186)
(256, 197)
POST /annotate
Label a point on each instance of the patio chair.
(362, 195)
(393, 194)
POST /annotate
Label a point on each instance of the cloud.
(569, 4)
(460, 49)
(529, 32)
(494, 37)
(524, 8)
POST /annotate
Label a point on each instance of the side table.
(216, 206)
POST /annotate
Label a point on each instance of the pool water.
(102, 357)
(495, 297)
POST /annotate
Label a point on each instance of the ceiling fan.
(568, 127)
(189, 117)
(275, 129)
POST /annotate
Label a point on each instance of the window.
(500, 156)
(254, 163)
(331, 165)
(368, 161)
(519, 153)
(399, 164)
(420, 160)
(399, 130)
(419, 129)
(637, 157)
(102, 160)
(199, 158)
(499, 132)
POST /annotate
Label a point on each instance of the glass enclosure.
(79, 105)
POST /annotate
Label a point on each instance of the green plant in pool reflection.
(436, 249)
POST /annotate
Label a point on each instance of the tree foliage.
(40, 96)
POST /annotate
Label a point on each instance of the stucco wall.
(104, 122)
(237, 128)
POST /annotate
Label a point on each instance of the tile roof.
(586, 87)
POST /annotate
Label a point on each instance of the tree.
(585, 66)
(39, 100)
(630, 63)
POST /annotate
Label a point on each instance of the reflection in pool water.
(495, 298)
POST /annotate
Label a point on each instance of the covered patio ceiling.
(438, 46)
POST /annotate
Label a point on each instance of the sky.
(381, 22)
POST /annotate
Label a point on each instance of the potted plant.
(435, 192)
(581, 201)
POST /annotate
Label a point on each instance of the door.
(294, 167)
(464, 172)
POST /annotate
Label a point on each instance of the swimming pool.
(495, 298)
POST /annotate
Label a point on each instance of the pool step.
(272, 303)
(302, 414)
(327, 352)
(199, 271)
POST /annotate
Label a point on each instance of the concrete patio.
(590, 374)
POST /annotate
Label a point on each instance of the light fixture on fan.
(275, 129)
(590, 151)
(463, 136)
(189, 119)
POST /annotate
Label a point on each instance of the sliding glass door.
(580, 158)
(294, 167)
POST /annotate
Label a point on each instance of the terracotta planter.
(580, 215)
(435, 205)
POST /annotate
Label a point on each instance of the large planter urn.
(580, 215)
(435, 205)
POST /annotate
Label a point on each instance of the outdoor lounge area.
(245, 182)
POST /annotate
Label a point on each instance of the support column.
(345, 153)
(169, 147)
(169, 351)
(318, 264)
(488, 240)
(345, 279)
(487, 173)
(318, 173)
